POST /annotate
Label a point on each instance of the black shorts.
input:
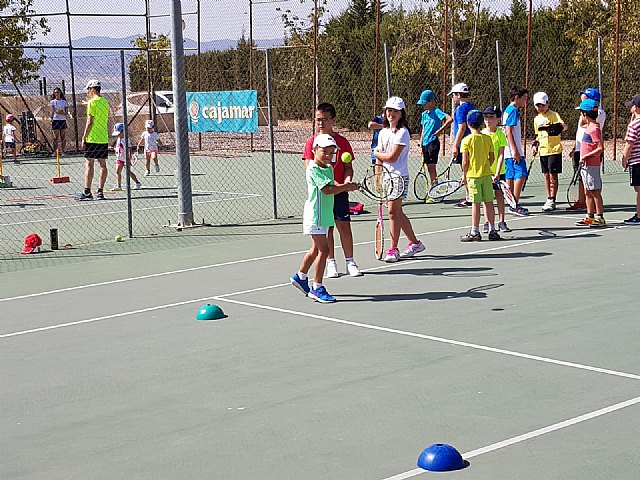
(551, 163)
(99, 151)
(458, 159)
(341, 207)
(496, 187)
(58, 124)
(9, 144)
(634, 175)
(430, 152)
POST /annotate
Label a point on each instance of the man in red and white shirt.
(631, 154)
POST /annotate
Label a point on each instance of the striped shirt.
(633, 137)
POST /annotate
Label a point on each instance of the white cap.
(540, 98)
(395, 103)
(323, 140)
(148, 124)
(93, 83)
(459, 88)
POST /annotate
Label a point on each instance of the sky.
(220, 19)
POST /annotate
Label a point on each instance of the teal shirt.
(431, 121)
(318, 209)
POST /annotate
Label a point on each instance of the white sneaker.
(157, 168)
(116, 188)
(549, 205)
(138, 185)
(412, 249)
(147, 173)
(392, 256)
(353, 270)
(331, 269)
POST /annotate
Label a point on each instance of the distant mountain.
(103, 64)
(127, 42)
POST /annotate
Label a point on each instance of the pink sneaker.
(412, 249)
(392, 256)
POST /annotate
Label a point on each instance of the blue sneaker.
(302, 285)
(321, 295)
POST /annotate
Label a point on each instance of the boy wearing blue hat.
(591, 148)
(433, 121)
(587, 94)
(477, 157)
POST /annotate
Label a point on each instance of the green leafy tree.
(17, 30)
(160, 62)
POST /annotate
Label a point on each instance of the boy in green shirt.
(318, 217)
(491, 119)
(477, 157)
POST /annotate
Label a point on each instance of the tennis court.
(520, 353)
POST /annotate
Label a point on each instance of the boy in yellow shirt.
(477, 157)
(547, 126)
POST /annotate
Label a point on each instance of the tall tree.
(17, 30)
(160, 63)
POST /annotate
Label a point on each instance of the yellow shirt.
(98, 108)
(478, 146)
(548, 145)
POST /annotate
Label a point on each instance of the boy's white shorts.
(314, 230)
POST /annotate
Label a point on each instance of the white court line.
(527, 436)
(192, 269)
(105, 317)
(432, 338)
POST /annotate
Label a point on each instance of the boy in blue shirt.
(514, 161)
(433, 121)
(460, 93)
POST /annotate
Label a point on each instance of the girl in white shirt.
(58, 120)
(393, 152)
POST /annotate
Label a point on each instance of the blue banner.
(235, 111)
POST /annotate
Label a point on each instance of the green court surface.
(520, 353)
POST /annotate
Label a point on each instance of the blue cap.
(425, 97)
(117, 128)
(588, 105)
(475, 118)
(592, 93)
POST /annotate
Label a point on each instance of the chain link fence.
(331, 52)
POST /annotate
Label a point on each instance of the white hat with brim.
(395, 103)
(323, 141)
(459, 88)
(93, 83)
(540, 98)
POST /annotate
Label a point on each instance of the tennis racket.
(134, 158)
(421, 183)
(508, 194)
(381, 185)
(444, 185)
(573, 189)
(526, 179)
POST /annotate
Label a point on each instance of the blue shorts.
(341, 207)
(513, 170)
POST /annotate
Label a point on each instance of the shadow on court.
(474, 293)
(444, 272)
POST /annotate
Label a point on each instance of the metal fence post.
(271, 139)
(127, 157)
(185, 215)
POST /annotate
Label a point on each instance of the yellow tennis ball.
(346, 157)
(118, 238)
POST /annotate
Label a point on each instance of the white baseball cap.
(117, 128)
(396, 103)
(93, 83)
(324, 140)
(148, 124)
(459, 88)
(540, 98)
